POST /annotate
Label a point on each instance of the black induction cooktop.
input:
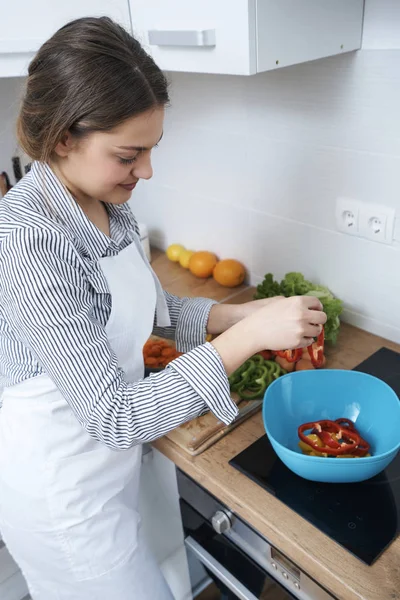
(363, 517)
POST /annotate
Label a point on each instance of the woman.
(78, 301)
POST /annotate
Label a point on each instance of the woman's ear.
(65, 145)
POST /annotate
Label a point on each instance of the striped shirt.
(55, 303)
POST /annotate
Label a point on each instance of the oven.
(239, 560)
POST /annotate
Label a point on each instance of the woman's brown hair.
(91, 75)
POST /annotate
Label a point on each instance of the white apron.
(68, 504)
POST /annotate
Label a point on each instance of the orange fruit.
(202, 263)
(229, 272)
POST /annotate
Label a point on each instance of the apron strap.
(162, 313)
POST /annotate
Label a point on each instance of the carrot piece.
(159, 352)
(152, 361)
(156, 351)
(167, 352)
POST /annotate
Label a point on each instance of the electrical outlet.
(376, 223)
(347, 215)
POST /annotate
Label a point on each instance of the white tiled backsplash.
(250, 167)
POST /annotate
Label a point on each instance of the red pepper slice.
(348, 440)
(316, 350)
(290, 355)
(327, 439)
(364, 447)
(347, 424)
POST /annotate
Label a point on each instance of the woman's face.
(106, 166)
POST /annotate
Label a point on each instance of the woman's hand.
(286, 323)
(279, 324)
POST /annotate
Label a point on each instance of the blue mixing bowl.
(305, 396)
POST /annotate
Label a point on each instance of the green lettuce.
(268, 288)
(295, 284)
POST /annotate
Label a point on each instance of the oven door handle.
(219, 570)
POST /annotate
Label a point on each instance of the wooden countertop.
(329, 564)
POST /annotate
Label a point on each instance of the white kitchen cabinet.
(239, 37)
(25, 25)
(243, 37)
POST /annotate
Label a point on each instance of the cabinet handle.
(164, 37)
(219, 570)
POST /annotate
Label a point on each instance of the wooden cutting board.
(199, 434)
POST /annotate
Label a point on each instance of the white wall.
(251, 168)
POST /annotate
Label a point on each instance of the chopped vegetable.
(327, 438)
(268, 288)
(294, 284)
(158, 353)
(315, 353)
(316, 350)
(291, 356)
(252, 378)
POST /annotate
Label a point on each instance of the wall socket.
(377, 223)
(347, 215)
(371, 221)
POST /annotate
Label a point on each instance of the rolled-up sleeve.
(189, 318)
(46, 299)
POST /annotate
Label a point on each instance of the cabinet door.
(291, 32)
(198, 36)
(27, 24)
